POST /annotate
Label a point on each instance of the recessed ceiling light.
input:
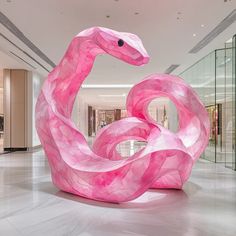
(194, 35)
(202, 25)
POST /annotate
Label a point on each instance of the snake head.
(124, 46)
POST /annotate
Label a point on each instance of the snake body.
(100, 173)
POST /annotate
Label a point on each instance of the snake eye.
(120, 42)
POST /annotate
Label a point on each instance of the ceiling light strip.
(225, 23)
(171, 68)
(4, 20)
(27, 54)
(22, 59)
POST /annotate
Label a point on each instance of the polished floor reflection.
(31, 205)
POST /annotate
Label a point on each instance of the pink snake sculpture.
(100, 173)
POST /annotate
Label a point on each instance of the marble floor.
(31, 205)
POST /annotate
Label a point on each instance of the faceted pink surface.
(100, 173)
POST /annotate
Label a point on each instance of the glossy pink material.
(100, 173)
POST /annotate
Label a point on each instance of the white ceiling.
(51, 24)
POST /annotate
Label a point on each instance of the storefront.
(213, 78)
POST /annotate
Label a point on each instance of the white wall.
(82, 111)
(173, 117)
(35, 82)
(171, 112)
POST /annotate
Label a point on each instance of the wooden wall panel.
(18, 105)
(15, 109)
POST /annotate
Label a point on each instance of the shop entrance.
(1, 112)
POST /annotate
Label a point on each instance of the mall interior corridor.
(117, 118)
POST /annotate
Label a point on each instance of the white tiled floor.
(31, 205)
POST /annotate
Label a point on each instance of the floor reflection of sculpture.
(101, 173)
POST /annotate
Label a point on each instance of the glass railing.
(213, 78)
(234, 99)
